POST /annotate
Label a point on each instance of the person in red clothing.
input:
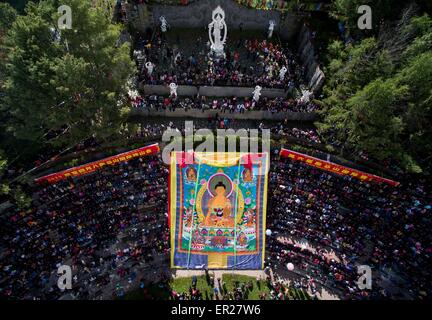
(255, 44)
(167, 103)
(236, 56)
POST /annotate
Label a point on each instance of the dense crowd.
(224, 105)
(251, 62)
(282, 129)
(79, 222)
(111, 225)
(379, 225)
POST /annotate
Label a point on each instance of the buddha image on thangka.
(247, 175)
(191, 174)
(218, 210)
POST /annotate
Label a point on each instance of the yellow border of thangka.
(173, 204)
(264, 207)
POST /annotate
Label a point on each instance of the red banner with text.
(96, 165)
(335, 168)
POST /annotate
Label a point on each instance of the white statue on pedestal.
(218, 32)
(164, 23)
(150, 67)
(272, 24)
(256, 93)
(173, 89)
(306, 94)
(282, 72)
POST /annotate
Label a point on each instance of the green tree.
(378, 94)
(374, 123)
(63, 86)
(19, 4)
(417, 77)
(7, 17)
(9, 191)
(4, 187)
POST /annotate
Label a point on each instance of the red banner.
(335, 168)
(96, 165)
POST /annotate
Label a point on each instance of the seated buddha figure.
(219, 209)
(191, 174)
(247, 175)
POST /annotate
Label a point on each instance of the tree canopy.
(63, 86)
(57, 87)
(378, 93)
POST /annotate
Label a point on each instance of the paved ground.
(288, 277)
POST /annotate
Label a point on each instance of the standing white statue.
(282, 72)
(257, 93)
(306, 95)
(150, 67)
(173, 89)
(218, 32)
(164, 23)
(272, 24)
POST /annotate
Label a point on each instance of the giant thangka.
(217, 210)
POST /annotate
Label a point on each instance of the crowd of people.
(111, 226)
(113, 222)
(223, 105)
(104, 224)
(251, 62)
(282, 129)
(378, 225)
